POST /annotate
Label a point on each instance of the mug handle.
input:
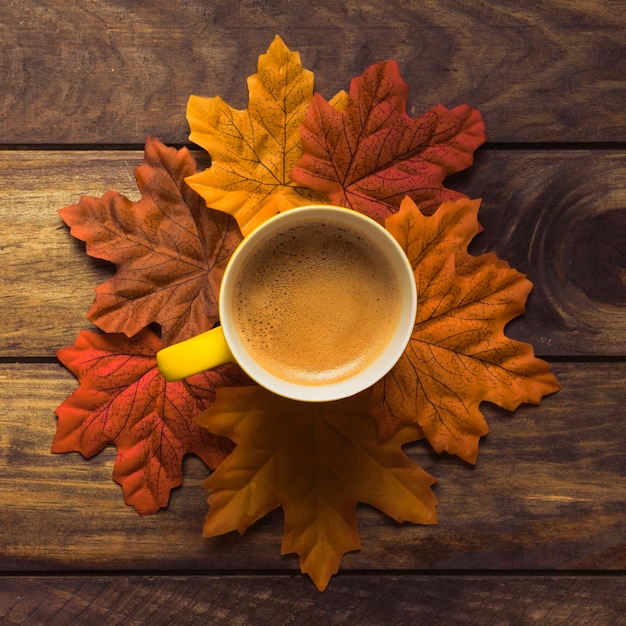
(195, 355)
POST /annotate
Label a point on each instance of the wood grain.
(547, 493)
(364, 600)
(535, 532)
(560, 218)
(557, 216)
(102, 72)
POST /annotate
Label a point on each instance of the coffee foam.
(316, 304)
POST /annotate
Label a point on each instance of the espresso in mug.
(316, 303)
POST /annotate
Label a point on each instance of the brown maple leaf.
(458, 355)
(170, 250)
(252, 151)
(317, 461)
(370, 154)
(123, 400)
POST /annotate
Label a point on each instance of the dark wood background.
(536, 532)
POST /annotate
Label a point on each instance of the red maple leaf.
(123, 400)
(371, 154)
(169, 248)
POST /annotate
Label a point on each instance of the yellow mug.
(316, 304)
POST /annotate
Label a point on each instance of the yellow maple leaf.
(317, 461)
(458, 355)
(253, 150)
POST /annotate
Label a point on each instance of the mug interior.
(364, 378)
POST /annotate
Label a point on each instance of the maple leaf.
(458, 354)
(123, 400)
(253, 150)
(170, 250)
(371, 154)
(317, 461)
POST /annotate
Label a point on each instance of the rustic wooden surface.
(536, 532)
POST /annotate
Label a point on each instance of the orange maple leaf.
(169, 249)
(253, 150)
(317, 461)
(458, 355)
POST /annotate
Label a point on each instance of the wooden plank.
(96, 72)
(366, 600)
(547, 493)
(557, 216)
(47, 280)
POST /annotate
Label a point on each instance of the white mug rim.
(366, 377)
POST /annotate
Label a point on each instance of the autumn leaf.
(371, 154)
(123, 400)
(253, 150)
(458, 355)
(317, 461)
(170, 250)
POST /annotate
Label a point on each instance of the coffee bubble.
(316, 304)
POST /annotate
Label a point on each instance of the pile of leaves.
(317, 461)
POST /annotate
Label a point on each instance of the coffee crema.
(316, 303)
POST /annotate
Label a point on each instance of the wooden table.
(536, 531)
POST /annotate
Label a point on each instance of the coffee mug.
(318, 303)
